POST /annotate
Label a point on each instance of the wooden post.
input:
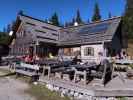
(104, 49)
(49, 71)
(104, 72)
(43, 73)
(85, 77)
(75, 75)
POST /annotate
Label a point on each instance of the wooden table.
(124, 61)
(123, 64)
(83, 70)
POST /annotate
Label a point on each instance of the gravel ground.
(1, 73)
(11, 89)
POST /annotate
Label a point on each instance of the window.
(89, 51)
(21, 33)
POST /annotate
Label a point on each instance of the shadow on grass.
(8, 74)
(40, 92)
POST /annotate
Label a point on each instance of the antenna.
(10, 33)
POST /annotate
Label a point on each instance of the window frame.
(89, 51)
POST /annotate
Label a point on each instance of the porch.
(115, 88)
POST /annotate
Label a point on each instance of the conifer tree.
(4, 30)
(54, 19)
(73, 21)
(109, 15)
(21, 12)
(9, 28)
(78, 17)
(128, 19)
(96, 16)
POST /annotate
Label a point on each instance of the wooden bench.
(104, 73)
(83, 73)
(51, 70)
(56, 68)
(28, 70)
(83, 70)
(12, 67)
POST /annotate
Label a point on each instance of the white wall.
(97, 48)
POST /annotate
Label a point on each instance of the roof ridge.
(113, 18)
(37, 19)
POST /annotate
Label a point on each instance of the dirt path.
(11, 89)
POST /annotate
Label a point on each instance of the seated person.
(99, 60)
(51, 56)
(76, 60)
(124, 55)
(29, 59)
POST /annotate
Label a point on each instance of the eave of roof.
(81, 43)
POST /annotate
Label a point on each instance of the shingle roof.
(90, 33)
(96, 32)
(40, 30)
(39, 20)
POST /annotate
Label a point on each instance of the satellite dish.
(76, 24)
(10, 33)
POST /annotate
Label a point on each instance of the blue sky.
(66, 9)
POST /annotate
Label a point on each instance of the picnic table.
(124, 61)
(102, 72)
(125, 64)
(27, 70)
(122, 64)
(54, 66)
(84, 66)
(83, 69)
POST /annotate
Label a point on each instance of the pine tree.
(70, 24)
(109, 15)
(54, 19)
(13, 25)
(4, 30)
(21, 12)
(73, 21)
(46, 20)
(128, 19)
(96, 16)
(88, 20)
(4, 38)
(9, 28)
(78, 17)
(66, 24)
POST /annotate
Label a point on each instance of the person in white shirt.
(100, 58)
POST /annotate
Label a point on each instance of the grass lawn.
(122, 98)
(4, 72)
(40, 92)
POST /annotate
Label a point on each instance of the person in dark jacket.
(76, 60)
